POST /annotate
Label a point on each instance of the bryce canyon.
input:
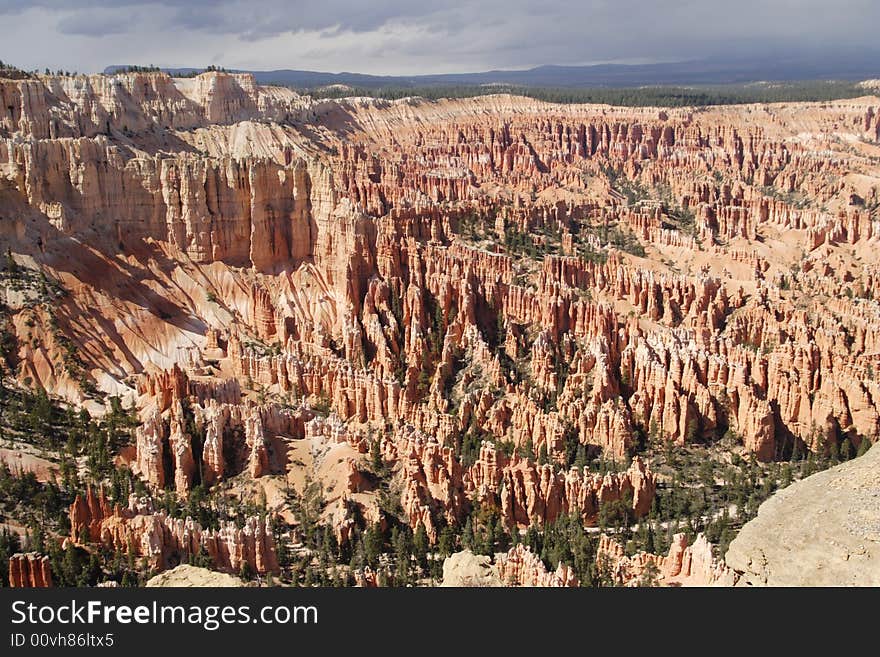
(452, 323)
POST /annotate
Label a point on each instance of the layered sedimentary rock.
(560, 282)
(164, 541)
(536, 494)
(29, 570)
(217, 436)
(524, 492)
(685, 565)
(521, 567)
(91, 105)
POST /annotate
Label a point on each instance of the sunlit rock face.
(485, 288)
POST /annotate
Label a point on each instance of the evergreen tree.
(650, 576)
(374, 541)
(446, 543)
(420, 547)
(9, 545)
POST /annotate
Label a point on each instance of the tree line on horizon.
(647, 96)
(642, 96)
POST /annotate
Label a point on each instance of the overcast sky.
(413, 36)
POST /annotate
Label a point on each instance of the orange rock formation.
(685, 565)
(494, 271)
(29, 570)
(521, 567)
(164, 541)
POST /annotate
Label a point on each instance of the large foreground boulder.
(466, 569)
(185, 575)
(821, 531)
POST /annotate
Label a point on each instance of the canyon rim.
(489, 340)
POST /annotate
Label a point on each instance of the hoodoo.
(337, 341)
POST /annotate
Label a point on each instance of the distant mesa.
(710, 71)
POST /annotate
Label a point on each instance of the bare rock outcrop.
(29, 570)
(188, 576)
(685, 565)
(466, 569)
(164, 541)
(492, 289)
(522, 567)
(525, 492)
(821, 531)
(519, 566)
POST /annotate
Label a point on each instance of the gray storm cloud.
(400, 36)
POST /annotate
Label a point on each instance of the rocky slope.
(519, 566)
(164, 541)
(685, 565)
(821, 531)
(29, 571)
(464, 302)
(187, 576)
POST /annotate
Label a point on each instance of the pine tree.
(533, 539)
(376, 460)
(10, 543)
(649, 539)
(446, 543)
(834, 452)
(402, 550)
(650, 577)
(467, 535)
(374, 541)
(420, 547)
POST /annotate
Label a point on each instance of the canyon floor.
(341, 342)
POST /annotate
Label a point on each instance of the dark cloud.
(360, 35)
(95, 23)
(263, 18)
